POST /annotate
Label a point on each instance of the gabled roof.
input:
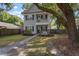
(8, 26)
(33, 9)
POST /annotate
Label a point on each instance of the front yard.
(5, 40)
(38, 46)
(47, 46)
(44, 45)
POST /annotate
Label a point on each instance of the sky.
(16, 10)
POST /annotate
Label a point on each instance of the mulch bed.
(65, 45)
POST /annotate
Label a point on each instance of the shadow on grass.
(38, 47)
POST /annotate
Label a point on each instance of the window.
(26, 17)
(37, 16)
(41, 16)
(32, 28)
(46, 16)
(32, 17)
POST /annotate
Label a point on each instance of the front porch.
(41, 28)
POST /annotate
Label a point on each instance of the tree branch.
(68, 12)
(61, 18)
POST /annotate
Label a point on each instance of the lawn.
(5, 40)
(38, 46)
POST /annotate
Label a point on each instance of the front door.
(38, 29)
(44, 28)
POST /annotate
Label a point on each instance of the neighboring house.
(36, 20)
(8, 28)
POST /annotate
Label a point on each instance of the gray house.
(36, 20)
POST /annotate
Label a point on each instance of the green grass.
(38, 46)
(5, 40)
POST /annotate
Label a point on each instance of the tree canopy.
(8, 18)
(6, 6)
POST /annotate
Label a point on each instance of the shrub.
(27, 32)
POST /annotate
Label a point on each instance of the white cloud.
(15, 12)
(15, 7)
(18, 13)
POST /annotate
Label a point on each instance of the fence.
(9, 31)
(56, 31)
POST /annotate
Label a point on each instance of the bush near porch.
(27, 32)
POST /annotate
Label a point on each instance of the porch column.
(35, 30)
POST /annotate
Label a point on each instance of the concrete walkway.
(17, 48)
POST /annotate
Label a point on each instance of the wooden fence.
(9, 31)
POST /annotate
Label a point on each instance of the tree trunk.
(72, 32)
(58, 24)
(69, 15)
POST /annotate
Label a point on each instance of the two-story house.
(36, 19)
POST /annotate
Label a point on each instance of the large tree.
(6, 6)
(4, 16)
(64, 13)
(69, 15)
(15, 20)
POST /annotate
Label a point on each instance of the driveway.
(17, 48)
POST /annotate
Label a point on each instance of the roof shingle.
(8, 26)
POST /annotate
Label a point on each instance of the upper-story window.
(32, 17)
(39, 16)
(29, 17)
(26, 17)
(46, 16)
